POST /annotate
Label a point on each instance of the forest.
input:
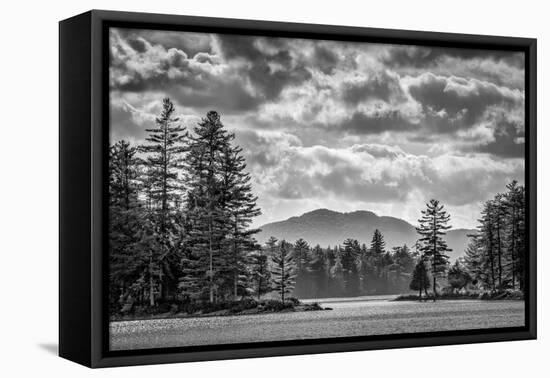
(181, 207)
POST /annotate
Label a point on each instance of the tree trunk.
(236, 285)
(435, 292)
(151, 284)
(210, 255)
(499, 256)
(236, 273)
(283, 281)
(434, 264)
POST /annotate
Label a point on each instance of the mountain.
(327, 227)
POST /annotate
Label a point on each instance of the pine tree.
(319, 271)
(164, 151)
(337, 275)
(123, 175)
(402, 266)
(208, 223)
(486, 231)
(126, 262)
(366, 268)
(283, 271)
(420, 280)
(260, 273)
(499, 219)
(378, 259)
(239, 203)
(271, 245)
(377, 244)
(349, 258)
(495, 255)
(432, 227)
(475, 262)
(301, 254)
(516, 238)
(457, 276)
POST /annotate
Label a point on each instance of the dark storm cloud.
(137, 66)
(325, 59)
(425, 57)
(270, 69)
(508, 142)
(381, 86)
(228, 96)
(461, 100)
(360, 123)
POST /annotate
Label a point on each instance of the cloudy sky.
(343, 126)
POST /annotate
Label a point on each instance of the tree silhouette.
(432, 227)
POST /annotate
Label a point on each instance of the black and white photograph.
(268, 189)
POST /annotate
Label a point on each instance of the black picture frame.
(83, 141)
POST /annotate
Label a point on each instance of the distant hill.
(327, 227)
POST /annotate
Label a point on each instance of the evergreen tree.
(516, 237)
(494, 258)
(349, 258)
(432, 227)
(302, 258)
(499, 219)
(208, 223)
(164, 151)
(238, 201)
(366, 268)
(401, 267)
(486, 231)
(475, 262)
(319, 271)
(271, 245)
(403, 260)
(457, 276)
(377, 245)
(337, 275)
(283, 271)
(420, 280)
(260, 273)
(125, 261)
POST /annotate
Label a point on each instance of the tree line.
(494, 259)
(180, 212)
(495, 256)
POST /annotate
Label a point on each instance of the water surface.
(349, 317)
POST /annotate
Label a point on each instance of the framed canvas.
(234, 188)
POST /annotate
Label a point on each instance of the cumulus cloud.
(336, 124)
(459, 99)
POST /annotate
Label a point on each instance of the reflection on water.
(349, 317)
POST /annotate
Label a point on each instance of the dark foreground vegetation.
(246, 306)
(181, 207)
(484, 295)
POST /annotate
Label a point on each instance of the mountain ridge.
(329, 228)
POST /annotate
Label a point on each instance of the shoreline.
(305, 307)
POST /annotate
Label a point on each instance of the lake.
(349, 317)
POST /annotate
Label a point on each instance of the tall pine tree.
(238, 201)
(164, 150)
(208, 216)
(301, 253)
(283, 270)
(432, 227)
